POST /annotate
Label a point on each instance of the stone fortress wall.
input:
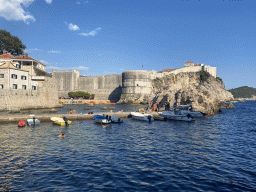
(46, 96)
(108, 87)
(130, 84)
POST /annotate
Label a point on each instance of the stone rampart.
(46, 96)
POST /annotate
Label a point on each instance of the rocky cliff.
(200, 89)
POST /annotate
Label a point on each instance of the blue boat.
(101, 119)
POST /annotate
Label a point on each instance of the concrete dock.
(46, 117)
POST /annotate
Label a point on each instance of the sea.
(213, 153)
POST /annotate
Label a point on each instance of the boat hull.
(60, 121)
(101, 119)
(141, 116)
(31, 122)
(177, 116)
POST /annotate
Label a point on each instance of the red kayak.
(22, 123)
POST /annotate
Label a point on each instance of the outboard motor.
(189, 116)
(106, 116)
(149, 118)
(165, 118)
(118, 120)
(66, 121)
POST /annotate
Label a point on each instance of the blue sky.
(110, 36)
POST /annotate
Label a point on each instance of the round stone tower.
(135, 84)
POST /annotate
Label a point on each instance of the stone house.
(13, 78)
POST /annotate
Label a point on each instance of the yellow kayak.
(159, 118)
(60, 121)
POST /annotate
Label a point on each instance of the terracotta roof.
(189, 62)
(7, 55)
(167, 70)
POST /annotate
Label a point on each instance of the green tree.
(11, 43)
(85, 95)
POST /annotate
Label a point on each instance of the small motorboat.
(141, 116)
(61, 121)
(22, 123)
(187, 109)
(176, 115)
(101, 119)
(115, 119)
(33, 121)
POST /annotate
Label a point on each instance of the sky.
(106, 37)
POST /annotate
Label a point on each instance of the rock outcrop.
(203, 92)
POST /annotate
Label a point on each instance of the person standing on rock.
(154, 107)
(167, 106)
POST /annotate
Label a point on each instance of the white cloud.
(80, 68)
(39, 50)
(73, 27)
(16, 10)
(78, 3)
(48, 1)
(100, 74)
(44, 62)
(32, 50)
(53, 51)
(91, 33)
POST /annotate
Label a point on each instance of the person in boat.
(62, 134)
(139, 109)
(70, 111)
(74, 111)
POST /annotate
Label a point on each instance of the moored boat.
(115, 119)
(176, 115)
(187, 109)
(141, 116)
(101, 119)
(33, 121)
(61, 121)
(22, 123)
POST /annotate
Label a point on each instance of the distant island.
(243, 92)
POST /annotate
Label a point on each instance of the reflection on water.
(215, 153)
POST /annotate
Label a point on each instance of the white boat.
(101, 119)
(115, 119)
(142, 116)
(176, 115)
(187, 109)
(33, 121)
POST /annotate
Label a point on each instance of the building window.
(1, 86)
(14, 76)
(1, 75)
(24, 87)
(18, 66)
(23, 77)
(33, 87)
(15, 86)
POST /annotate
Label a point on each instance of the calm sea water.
(216, 153)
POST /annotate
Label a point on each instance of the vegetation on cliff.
(85, 95)
(10, 43)
(243, 92)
